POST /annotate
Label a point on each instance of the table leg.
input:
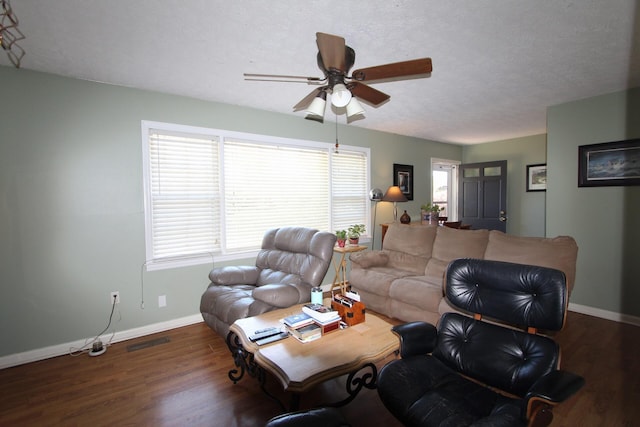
(295, 402)
(241, 358)
(355, 383)
(244, 360)
(340, 279)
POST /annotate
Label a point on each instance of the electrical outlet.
(162, 301)
(116, 295)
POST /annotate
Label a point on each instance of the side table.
(340, 280)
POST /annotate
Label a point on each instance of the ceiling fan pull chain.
(337, 145)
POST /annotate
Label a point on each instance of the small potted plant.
(430, 213)
(354, 233)
(341, 237)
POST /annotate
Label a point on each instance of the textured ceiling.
(497, 64)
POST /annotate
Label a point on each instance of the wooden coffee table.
(301, 366)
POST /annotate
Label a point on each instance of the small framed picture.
(403, 178)
(537, 177)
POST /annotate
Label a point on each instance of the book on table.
(297, 320)
(329, 326)
(307, 332)
(320, 312)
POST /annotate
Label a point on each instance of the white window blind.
(185, 195)
(267, 186)
(211, 192)
(349, 185)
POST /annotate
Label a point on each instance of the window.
(444, 187)
(213, 193)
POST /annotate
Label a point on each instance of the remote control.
(263, 333)
(272, 338)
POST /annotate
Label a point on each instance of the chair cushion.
(422, 391)
(523, 295)
(277, 294)
(508, 359)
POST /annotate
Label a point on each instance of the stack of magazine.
(314, 321)
(306, 333)
(302, 327)
(325, 317)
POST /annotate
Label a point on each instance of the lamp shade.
(394, 194)
(318, 105)
(354, 108)
(340, 96)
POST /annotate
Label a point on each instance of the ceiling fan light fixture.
(354, 108)
(318, 105)
(340, 95)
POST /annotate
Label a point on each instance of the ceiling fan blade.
(332, 49)
(282, 78)
(304, 103)
(396, 71)
(368, 94)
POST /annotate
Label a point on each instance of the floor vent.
(147, 344)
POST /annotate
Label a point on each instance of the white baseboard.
(605, 314)
(62, 349)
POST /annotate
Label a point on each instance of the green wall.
(71, 201)
(603, 220)
(525, 210)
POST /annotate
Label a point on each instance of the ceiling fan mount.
(335, 59)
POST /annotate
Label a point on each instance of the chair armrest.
(278, 295)
(368, 259)
(416, 338)
(234, 275)
(555, 387)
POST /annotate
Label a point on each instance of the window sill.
(187, 261)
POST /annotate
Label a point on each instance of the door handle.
(503, 217)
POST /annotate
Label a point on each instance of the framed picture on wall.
(609, 163)
(403, 178)
(537, 177)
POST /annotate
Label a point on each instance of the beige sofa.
(405, 279)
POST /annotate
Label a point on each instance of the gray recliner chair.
(292, 261)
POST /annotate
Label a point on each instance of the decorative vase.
(354, 240)
(405, 218)
(341, 242)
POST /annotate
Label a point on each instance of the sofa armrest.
(278, 295)
(416, 338)
(234, 275)
(368, 259)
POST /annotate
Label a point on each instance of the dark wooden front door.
(483, 195)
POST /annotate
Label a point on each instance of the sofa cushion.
(452, 243)
(376, 280)
(557, 252)
(369, 259)
(409, 246)
(417, 291)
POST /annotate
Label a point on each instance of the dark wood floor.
(184, 382)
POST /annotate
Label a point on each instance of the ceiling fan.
(335, 59)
